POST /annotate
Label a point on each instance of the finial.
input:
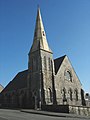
(38, 10)
(38, 6)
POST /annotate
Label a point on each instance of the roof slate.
(20, 81)
(58, 62)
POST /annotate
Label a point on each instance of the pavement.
(11, 114)
(54, 114)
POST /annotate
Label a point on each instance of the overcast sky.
(67, 26)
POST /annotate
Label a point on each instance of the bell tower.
(40, 66)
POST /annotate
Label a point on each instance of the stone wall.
(66, 89)
(40, 77)
(56, 108)
(79, 110)
(14, 99)
(87, 103)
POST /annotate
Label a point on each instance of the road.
(17, 115)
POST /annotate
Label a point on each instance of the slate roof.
(58, 62)
(20, 81)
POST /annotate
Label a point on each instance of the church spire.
(39, 41)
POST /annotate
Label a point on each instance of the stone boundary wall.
(56, 108)
(79, 110)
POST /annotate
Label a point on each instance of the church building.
(48, 84)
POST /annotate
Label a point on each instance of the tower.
(40, 66)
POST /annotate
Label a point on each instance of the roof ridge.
(60, 57)
(22, 71)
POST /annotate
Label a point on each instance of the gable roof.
(20, 81)
(58, 62)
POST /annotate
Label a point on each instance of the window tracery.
(68, 75)
(45, 63)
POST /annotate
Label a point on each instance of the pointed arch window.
(70, 91)
(45, 63)
(68, 75)
(64, 95)
(34, 62)
(49, 95)
(76, 94)
(49, 63)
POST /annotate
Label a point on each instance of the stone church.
(48, 84)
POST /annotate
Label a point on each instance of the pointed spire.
(39, 41)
